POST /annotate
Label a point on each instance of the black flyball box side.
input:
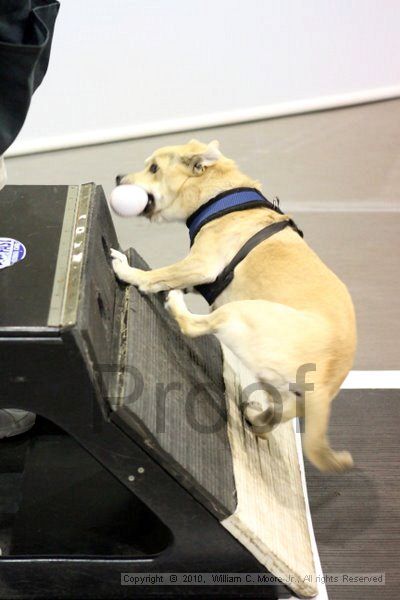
(58, 301)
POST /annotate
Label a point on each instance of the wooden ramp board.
(196, 431)
(185, 428)
(270, 519)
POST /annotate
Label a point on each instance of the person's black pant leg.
(26, 32)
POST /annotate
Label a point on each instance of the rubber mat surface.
(356, 515)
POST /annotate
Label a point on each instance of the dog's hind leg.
(315, 440)
(190, 324)
(282, 406)
(274, 341)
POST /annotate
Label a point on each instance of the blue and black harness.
(222, 204)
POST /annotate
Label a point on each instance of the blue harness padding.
(224, 203)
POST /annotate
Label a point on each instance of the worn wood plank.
(178, 406)
(270, 518)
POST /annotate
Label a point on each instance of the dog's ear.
(211, 155)
(199, 161)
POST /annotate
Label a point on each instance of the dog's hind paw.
(330, 461)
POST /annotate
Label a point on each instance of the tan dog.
(284, 307)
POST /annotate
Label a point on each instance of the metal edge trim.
(54, 318)
(67, 283)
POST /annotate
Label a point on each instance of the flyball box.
(78, 347)
(57, 301)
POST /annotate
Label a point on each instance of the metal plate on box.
(65, 296)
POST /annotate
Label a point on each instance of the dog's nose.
(118, 179)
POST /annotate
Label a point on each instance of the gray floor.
(337, 172)
(356, 515)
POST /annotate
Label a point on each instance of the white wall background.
(127, 68)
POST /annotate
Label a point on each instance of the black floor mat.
(60, 501)
(12, 460)
(356, 515)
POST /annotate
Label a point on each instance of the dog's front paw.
(175, 302)
(118, 260)
(123, 271)
(119, 264)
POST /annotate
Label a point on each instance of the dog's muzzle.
(118, 179)
(149, 208)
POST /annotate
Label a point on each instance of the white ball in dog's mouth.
(128, 200)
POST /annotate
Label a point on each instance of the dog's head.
(178, 178)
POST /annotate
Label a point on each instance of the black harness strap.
(211, 291)
(226, 202)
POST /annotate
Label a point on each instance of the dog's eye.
(153, 168)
